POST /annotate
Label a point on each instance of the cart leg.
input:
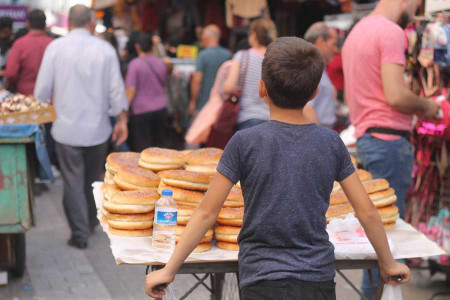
(380, 287)
(217, 285)
(238, 284)
(19, 255)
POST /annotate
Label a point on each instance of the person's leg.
(140, 131)
(391, 160)
(159, 126)
(94, 159)
(50, 145)
(291, 289)
(265, 290)
(299, 289)
(74, 201)
(248, 124)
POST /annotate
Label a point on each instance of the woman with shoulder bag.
(253, 110)
(145, 89)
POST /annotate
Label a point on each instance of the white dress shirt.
(82, 73)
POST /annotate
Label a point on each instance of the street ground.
(57, 271)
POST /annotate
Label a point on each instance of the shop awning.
(102, 4)
(436, 5)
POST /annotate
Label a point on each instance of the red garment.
(335, 72)
(24, 60)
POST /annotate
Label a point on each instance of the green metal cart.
(17, 173)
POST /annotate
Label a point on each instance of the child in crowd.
(287, 167)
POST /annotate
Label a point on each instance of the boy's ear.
(262, 89)
(315, 93)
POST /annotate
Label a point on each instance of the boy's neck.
(290, 116)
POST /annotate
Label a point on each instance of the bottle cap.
(167, 193)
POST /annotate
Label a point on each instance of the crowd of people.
(104, 97)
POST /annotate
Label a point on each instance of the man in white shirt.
(325, 39)
(82, 74)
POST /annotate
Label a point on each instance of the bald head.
(316, 31)
(210, 35)
(80, 16)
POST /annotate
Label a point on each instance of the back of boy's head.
(291, 71)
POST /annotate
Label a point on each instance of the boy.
(287, 167)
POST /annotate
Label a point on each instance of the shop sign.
(436, 5)
(186, 51)
(16, 12)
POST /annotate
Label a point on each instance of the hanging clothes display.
(428, 70)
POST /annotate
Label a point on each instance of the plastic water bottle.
(165, 223)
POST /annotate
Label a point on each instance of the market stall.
(407, 241)
(131, 241)
(23, 158)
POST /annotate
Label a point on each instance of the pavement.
(57, 271)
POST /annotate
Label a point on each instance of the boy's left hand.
(156, 279)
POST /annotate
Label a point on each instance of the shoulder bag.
(225, 126)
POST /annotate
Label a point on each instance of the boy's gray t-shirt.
(287, 173)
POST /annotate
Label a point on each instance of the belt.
(403, 133)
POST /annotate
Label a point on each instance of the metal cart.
(17, 173)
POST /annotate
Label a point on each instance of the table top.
(407, 243)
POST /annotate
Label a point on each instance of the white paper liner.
(407, 243)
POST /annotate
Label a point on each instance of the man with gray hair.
(208, 62)
(325, 39)
(82, 75)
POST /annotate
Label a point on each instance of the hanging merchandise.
(428, 65)
(239, 13)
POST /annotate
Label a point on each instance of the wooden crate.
(38, 116)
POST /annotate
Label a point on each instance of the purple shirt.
(148, 75)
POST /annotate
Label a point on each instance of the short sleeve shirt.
(374, 41)
(148, 75)
(251, 106)
(208, 62)
(287, 173)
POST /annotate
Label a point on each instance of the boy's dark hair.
(37, 18)
(291, 70)
(6, 22)
(145, 41)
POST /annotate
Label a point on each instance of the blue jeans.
(392, 160)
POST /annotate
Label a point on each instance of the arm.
(45, 79)
(231, 83)
(120, 131)
(202, 220)
(117, 101)
(168, 62)
(130, 91)
(371, 222)
(196, 83)
(400, 97)
(13, 66)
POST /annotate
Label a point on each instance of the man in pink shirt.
(26, 55)
(381, 107)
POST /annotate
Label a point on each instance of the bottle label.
(166, 217)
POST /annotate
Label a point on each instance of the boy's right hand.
(396, 269)
(156, 282)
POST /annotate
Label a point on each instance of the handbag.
(225, 125)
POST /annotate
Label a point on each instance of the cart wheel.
(19, 252)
